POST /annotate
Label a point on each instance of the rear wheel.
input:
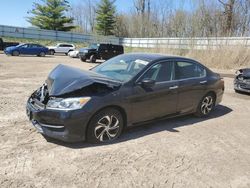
(92, 59)
(42, 54)
(105, 126)
(15, 53)
(206, 105)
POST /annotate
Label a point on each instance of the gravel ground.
(179, 152)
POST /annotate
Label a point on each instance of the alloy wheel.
(207, 105)
(107, 128)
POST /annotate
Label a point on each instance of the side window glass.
(161, 72)
(185, 70)
(103, 47)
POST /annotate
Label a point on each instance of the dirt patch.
(180, 152)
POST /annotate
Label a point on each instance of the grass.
(221, 58)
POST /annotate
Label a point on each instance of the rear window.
(66, 45)
(118, 47)
(185, 70)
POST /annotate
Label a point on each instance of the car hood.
(245, 72)
(64, 79)
(10, 48)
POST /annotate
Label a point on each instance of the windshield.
(20, 45)
(93, 46)
(122, 68)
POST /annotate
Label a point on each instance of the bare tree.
(84, 15)
(228, 12)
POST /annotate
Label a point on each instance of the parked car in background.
(242, 80)
(27, 49)
(4, 45)
(61, 48)
(74, 54)
(100, 51)
(127, 90)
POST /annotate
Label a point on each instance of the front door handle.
(173, 87)
(203, 82)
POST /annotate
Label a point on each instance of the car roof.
(31, 44)
(65, 43)
(155, 56)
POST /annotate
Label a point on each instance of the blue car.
(26, 49)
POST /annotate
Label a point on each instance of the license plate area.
(37, 126)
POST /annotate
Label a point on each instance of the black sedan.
(242, 81)
(96, 105)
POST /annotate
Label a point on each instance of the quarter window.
(184, 70)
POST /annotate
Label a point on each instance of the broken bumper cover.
(68, 126)
(242, 86)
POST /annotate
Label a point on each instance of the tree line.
(147, 18)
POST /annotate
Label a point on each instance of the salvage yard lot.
(179, 152)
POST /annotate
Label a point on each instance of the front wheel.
(205, 106)
(105, 126)
(15, 53)
(92, 59)
(83, 58)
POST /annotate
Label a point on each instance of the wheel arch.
(15, 50)
(214, 95)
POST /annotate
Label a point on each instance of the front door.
(24, 49)
(159, 100)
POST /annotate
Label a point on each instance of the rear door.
(34, 49)
(192, 84)
(62, 48)
(103, 51)
(117, 50)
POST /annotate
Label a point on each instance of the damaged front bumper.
(242, 86)
(68, 126)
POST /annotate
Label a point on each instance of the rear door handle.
(203, 82)
(173, 87)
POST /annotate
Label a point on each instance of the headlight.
(85, 51)
(238, 72)
(68, 103)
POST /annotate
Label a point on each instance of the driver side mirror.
(147, 83)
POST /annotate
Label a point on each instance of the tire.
(83, 58)
(206, 105)
(105, 126)
(42, 54)
(92, 59)
(15, 53)
(51, 52)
